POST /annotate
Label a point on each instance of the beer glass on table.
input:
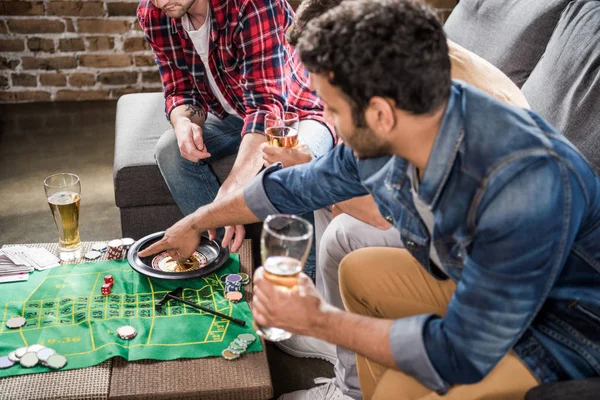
(282, 131)
(285, 242)
(63, 192)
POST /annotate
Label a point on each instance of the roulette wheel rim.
(215, 254)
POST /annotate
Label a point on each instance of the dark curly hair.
(388, 48)
(306, 11)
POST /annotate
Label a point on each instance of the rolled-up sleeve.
(410, 352)
(307, 187)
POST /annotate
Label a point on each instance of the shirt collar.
(445, 149)
(218, 17)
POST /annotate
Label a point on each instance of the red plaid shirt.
(255, 68)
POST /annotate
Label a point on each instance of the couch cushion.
(139, 124)
(512, 34)
(565, 85)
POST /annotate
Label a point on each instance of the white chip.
(126, 332)
(127, 242)
(20, 352)
(44, 354)
(93, 255)
(101, 247)
(12, 356)
(56, 361)
(35, 348)
(16, 322)
(29, 360)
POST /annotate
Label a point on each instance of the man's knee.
(166, 151)
(354, 273)
(342, 236)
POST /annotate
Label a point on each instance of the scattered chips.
(238, 346)
(127, 332)
(16, 322)
(34, 348)
(92, 255)
(33, 355)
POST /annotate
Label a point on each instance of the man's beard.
(364, 144)
(181, 10)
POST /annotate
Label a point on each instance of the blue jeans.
(194, 184)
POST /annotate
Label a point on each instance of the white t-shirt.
(425, 213)
(201, 39)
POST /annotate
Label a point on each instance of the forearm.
(364, 209)
(231, 209)
(188, 112)
(367, 336)
(247, 164)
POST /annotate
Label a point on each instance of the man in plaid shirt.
(224, 65)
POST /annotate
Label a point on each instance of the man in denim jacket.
(497, 289)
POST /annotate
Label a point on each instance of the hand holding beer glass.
(63, 192)
(282, 132)
(285, 242)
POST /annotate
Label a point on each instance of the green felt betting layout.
(65, 311)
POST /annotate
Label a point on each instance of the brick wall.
(72, 50)
(55, 50)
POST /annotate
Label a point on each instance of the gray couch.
(551, 49)
(143, 198)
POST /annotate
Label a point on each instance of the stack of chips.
(115, 250)
(127, 243)
(233, 287)
(238, 346)
(33, 355)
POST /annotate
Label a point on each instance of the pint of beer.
(285, 244)
(63, 192)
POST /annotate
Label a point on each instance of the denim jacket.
(516, 225)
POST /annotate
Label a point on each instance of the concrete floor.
(37, 140)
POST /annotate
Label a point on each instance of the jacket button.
(389, 219)
(410, 244)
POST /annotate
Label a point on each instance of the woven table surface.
(246, 378)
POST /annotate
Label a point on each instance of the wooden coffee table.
(246, 378)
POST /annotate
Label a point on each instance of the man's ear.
(380, 115)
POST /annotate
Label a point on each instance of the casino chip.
(126, 332)
(35, 348)
(228, 355)
(92, 255)
(12, 356)
(16, 322)
(29, 360)
(6, 362)
(101, 247)
(234, 296)
(223, 277)
(247, 337)
(56, 361)
(245, 278)
(44, 354)
(20, 352)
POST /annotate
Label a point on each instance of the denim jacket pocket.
(451, 252)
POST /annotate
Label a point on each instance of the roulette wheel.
(208, 257)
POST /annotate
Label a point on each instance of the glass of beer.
(282, 136)
(63, 192)
(285, 242)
